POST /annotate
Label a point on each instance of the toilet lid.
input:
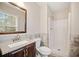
(44, 50)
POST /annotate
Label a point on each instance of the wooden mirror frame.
(17, 32)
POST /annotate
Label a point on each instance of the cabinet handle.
(25, 52)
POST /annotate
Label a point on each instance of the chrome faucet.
(16, 38)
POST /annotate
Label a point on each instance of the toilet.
(42, 50)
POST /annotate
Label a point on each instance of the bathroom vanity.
(26, 51)
(16, 49)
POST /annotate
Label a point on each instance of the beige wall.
(33, 17)
(43, 18)
(75, 19)
(74, 27)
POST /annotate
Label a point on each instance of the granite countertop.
(6, 49)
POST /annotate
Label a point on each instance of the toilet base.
(39, 55)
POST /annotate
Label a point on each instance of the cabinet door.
(18, 53)
(31, 50)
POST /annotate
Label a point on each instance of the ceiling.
(56, 6)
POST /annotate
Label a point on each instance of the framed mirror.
(12, 18)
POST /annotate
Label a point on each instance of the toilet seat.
(44, 50)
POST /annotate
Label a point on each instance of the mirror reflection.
(12, 18)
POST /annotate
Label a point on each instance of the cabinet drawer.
(17, 53)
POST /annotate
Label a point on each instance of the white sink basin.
(17, 44)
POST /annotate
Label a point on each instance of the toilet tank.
(38, 41)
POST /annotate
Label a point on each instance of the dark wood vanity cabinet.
(17, 53)
(26, 51)
(31, 50)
